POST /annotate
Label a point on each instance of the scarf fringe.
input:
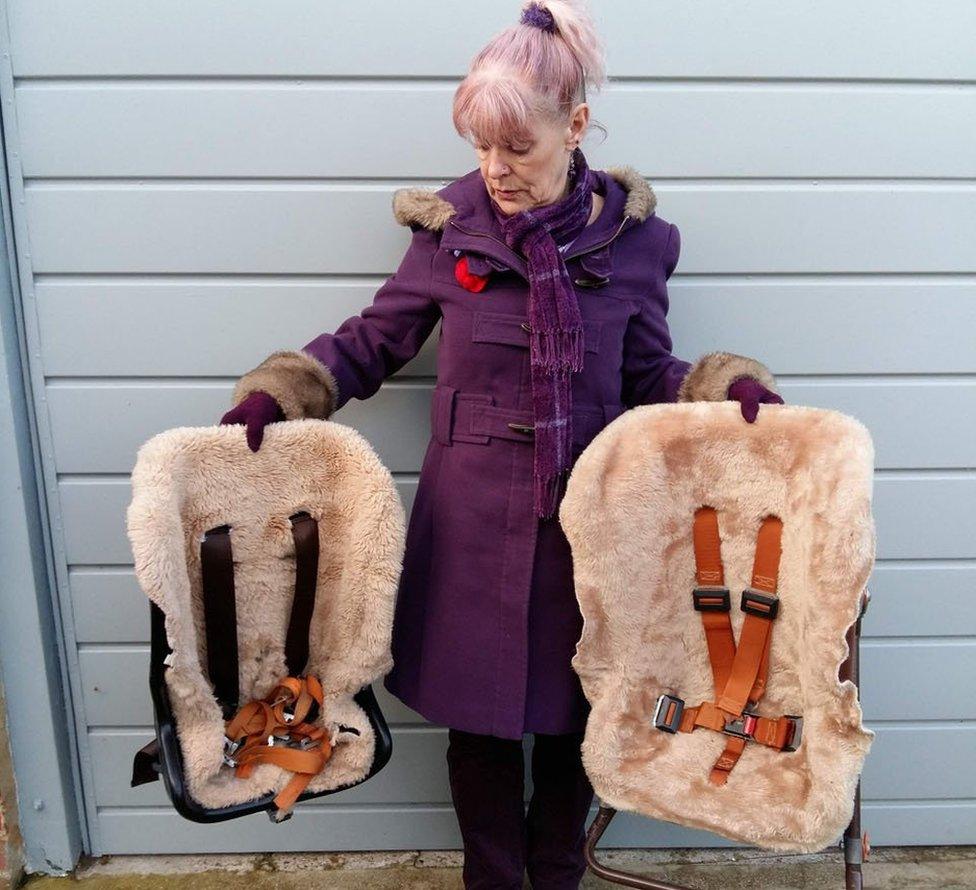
(558, 350)
(547, 492)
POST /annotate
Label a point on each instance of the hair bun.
(536, 15)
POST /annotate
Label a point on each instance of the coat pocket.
(513, 330)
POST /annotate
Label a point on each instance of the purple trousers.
(501, 840)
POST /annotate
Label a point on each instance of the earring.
(572, 165)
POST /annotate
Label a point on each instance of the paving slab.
(918, 868)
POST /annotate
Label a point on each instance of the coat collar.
(462, 211)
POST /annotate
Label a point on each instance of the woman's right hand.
(256, 411)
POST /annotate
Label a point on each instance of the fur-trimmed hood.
(466, 199)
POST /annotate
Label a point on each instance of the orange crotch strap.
(280, 729)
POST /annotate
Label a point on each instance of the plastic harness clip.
(711, 599)
(761, 604)
(667, 714)
(796, 734)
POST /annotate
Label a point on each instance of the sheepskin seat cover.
(628, 514)
(190, 479)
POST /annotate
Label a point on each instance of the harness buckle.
(742, 726)
(667, 714)
(279, 740)
(796, 733)
(763, 605)
(711, 599)
(230, 749)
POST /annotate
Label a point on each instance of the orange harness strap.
(712, 597)
(739, 672)
(280, 729)
(774, 732)
(748, 679)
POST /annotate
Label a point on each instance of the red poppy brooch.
(466, 278)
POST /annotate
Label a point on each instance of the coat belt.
(463, 416)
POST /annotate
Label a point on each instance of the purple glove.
(750, 393)
(257, 411)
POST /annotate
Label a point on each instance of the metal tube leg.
(853, 851)
(854, 848)
(628, 879)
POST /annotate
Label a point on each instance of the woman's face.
(523, 175)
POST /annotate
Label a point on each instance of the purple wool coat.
(486, 619)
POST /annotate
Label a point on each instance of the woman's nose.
(496, 168)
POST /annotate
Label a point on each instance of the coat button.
(592, 282)
(521, 428)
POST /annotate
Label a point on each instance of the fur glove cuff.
(710, 377)
(298, 382)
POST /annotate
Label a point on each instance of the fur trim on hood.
(426, 208)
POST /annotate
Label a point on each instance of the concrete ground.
(919, 868)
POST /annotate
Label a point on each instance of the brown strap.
(305, 532)
(220, 610)
(220, 615)
(709, 573)
(145, 764)
(748, 681)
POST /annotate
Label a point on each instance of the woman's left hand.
(750, 394)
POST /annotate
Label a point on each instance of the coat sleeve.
(318, 379)
(652, 374)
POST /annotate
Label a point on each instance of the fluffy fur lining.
(628, 513)
(299, 382)
(641, 199)
(709, 378)
(422, 207)
(189, 479)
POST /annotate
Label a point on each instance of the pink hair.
(526, 71)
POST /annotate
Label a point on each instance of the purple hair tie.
(539, 17)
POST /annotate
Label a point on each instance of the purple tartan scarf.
(556, 328)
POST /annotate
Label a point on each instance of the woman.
(549, 280)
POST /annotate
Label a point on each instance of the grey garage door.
(191, 185)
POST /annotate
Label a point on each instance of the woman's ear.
(577, 125)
